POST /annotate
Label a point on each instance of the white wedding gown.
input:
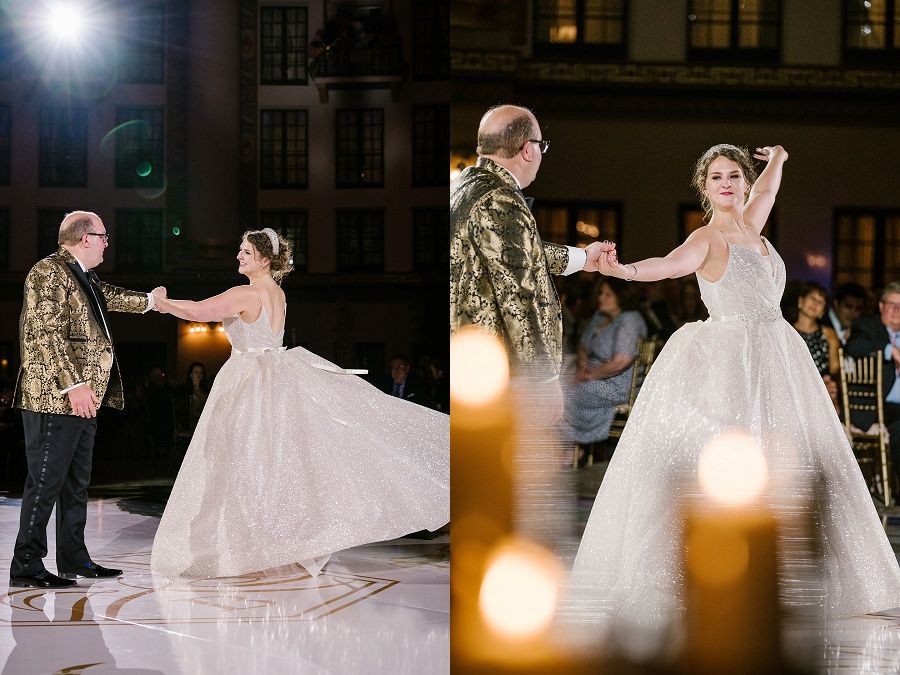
(745, 367)
(293, 460)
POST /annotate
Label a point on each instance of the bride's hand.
(770, 152)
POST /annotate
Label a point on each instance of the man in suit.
(68, 370)
(846, 307)
(881, 333)
(405, 385)
(499, 267)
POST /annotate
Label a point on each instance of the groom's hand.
(84, 402)
(159, 293)
(595, 251)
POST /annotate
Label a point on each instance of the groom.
(68, 370)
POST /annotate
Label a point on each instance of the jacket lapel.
(94, 296)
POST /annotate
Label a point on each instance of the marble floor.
(379, 608)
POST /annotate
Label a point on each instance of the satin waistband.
(256, 350)
(748, 318)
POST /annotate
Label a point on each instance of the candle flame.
(519, 590)
(479, 368)
(732, 468)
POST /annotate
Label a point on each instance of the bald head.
(504, 129)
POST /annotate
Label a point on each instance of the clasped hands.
(601, 257)
(159, 293)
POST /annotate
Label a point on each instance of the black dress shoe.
(92, 571)
(42, 579)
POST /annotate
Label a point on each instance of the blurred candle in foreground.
(481, 508)
(503, 588)
(731, 582)
(519, 590)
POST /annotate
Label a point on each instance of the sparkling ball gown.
(743, 367)
(293, 459)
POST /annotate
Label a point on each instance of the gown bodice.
(257, 335)
(750, 288)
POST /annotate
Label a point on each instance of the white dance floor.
(380, 608)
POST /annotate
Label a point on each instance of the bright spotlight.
(65, 22)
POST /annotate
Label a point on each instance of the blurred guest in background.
(192, 396)
(846, 307)
(404, 384)
(881, 333)
(822, 341)
(603, 377)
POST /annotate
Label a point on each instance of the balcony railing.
(358, 61)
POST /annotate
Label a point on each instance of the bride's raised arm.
(764, 190)
(230, 303)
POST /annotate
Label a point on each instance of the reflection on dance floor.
(380, 608)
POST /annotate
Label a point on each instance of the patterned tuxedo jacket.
(62, 339)
(500, 269)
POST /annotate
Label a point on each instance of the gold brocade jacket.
(500, 269)
(62, 340)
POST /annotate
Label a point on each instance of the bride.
(744, 367)
(292, 459)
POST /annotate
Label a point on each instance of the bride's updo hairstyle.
(265, 242)
(732, 152)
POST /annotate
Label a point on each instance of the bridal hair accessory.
(273, 237)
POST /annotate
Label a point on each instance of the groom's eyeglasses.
(543, 145)
(105, 235)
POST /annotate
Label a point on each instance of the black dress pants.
(58, 450)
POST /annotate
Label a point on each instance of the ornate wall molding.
(480, 64)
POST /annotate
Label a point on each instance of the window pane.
(603, 22)
(139, 148)
(292, 226)
(142, 55)
(431, 40)
(284, 151)
(710, 24)
(758, 24)
(360, 148)
(866, 24)
(431, 138)
(431, 251)
(283, 40)
(63, 147)
(557, 21)
(48, 230)
(139, 239)
(360, 240)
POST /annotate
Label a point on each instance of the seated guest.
(603, 376)
(846, 307)
(881, 333)
(193, 392)
(821, 341)
(405, 385)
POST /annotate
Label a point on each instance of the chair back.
(646, 355)
(861, 387)
(861, 393)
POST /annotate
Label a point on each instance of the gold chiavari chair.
(861, 393)
(647, 349)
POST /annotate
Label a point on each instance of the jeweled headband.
(273, 237)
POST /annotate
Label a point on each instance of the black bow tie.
(92, 275)
(529, 201)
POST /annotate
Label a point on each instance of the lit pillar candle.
(503, 587)
(731, 578)
(481, 508)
